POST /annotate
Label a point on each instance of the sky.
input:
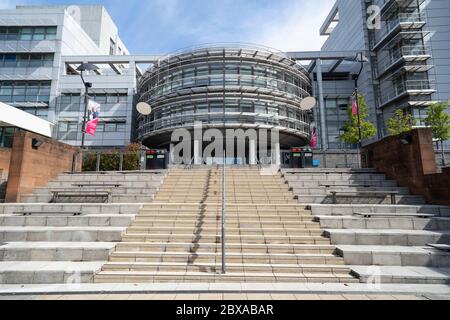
(164, 26)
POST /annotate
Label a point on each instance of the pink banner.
(314, 139)
(354, 106)
(91, 127)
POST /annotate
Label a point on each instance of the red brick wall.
(30, 168)
(412, 165)
(5, 156)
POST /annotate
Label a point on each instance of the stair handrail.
(223, 215)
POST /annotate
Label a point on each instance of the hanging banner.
(93, 117)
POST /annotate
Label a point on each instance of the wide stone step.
(306, 191)
(387, 237)
(98, 184)
(47, 272)
(69, 209)
(80, 234)
(55, 220)
(366, 199)
(231, 231)
(183, 257)
(149, 277)
(389, 274)
(209, 223)
(114, 191)
(231, 267)
(394, 256)
(230, 247)
(350, 183)
(55, 251)
(213, 238)
(350, 209)
(402, 223)
(130, 198)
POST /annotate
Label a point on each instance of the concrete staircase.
(48, 243)
(395, 242)
(124, 187)
(315, 186)
(270, 237)
(43, 243)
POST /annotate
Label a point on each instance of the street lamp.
(360, 57)
(87, 85)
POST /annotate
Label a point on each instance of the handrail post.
(223, 214)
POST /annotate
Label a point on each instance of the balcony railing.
(390, 25)
(403, 53)
(407, 87)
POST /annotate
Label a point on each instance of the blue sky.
(163, 26)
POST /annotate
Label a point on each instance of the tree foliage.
(439, 121)
(110, 160)
(400, 122)
(351, 132)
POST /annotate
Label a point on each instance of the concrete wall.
(5, 156)
(32, 167)
(412, 165)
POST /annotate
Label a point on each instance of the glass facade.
(232, 86)
(33, 60)
(27, 33)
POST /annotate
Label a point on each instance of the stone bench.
(89, 194)
(393, 215)
(393, 194)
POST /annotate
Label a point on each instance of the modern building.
(35, 76)
(227, 87)
(407, 43)
(41, 48)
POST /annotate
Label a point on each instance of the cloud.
(7, 4)
(297, 26)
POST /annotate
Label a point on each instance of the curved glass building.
(226, 87)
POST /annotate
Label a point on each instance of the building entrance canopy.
(13, 117)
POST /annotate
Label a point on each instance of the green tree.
(439, 121)
(400, 123)
(351, 132)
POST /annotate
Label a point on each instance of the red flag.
(314, 139)
(354, 106)
(91, 127)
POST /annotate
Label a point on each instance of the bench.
(88, 194)
(30, 213)
(328, 185)
(393, 194)
(393, 215)
(440, 247)
(111, 185)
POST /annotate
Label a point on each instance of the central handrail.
(223, 214)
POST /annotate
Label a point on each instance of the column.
(277, 154)
(197, 157)
(252, 152)
(323, 125)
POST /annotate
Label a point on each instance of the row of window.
(27, 33)
(216, 74)
(185, 121)
(67, 99)
(12, 60)
(102, 127)
(25, 91)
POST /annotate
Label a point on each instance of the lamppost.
(87, 85)
(360, 57)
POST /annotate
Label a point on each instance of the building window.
(112, 47)
(28, 33)
(25, 91)
(34, 60)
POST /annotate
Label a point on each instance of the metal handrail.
(223, 214)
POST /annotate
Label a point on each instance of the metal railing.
(405, 51)
(425, 86)
(402, 18)
(223, 214)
